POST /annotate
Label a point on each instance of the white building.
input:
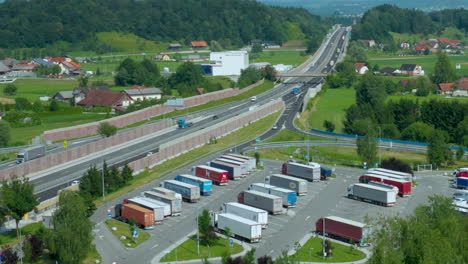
(229, 62)
(144, 93)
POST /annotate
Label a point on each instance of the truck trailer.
(244, 162)
(218, 176)
(270, 203)
(461, 195)
(372, 194)
(174, 202)
(258, 215)
(252, 161)
(142, 216)
(157, 209)
(239, 226)
(310, 172)
(235, 172)
(345, 229)
(165, 191)
(289, 197)
(461, 182)
(288, 182)
(244, 169)
(189, 192)
(166, 207)
(206, 186)
(396, 174)
(404, 187)
(31, 153)
(384, 185)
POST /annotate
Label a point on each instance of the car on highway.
(275, 127)
(253, 98)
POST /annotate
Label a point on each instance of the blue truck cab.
(296, 90)
(182, 123)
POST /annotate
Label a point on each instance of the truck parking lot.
(323, 199)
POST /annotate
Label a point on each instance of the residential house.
(9, 62)
(162, 57)
(174, 47)
(361, 67)
(404, 45)
(3, 68)
(140, 93)
(461, 88)
(387, 71)
(70, 68)
(59, 59)
(369, 43)
(81, 92)
(43, 62)
(24, 67)
(198, 45)
(64, 96)
(116, 100)
(444, 42)
(411, 69)
(446, 88)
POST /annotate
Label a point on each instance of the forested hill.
(37, 23)
(379, 21)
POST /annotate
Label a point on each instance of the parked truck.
(258, 215)
(296, 90)
(183, 123)
(240, 227)
(289, 197)
(461, 195)
(270, 203)
(234, 171)
(157, 209)
(288, 182)
(404, 187)
(384, 185)
(174, 202)
(242, 161)
(166, 207)
(244, 170)
(395, 174)
(461, 182)
(218, 176)
(142, 216)
(310, 172)
(372, 194)
(325, 172)
(31, 153)
(251, 161)
(189, 192)
(461, 172)
(341, 228)
(165, 191)
(206, 186)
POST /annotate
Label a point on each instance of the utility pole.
(378, 146)
(198, 238)
(103, 187)
(323, 243)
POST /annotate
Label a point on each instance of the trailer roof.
(372, 187)
(162, 189)
(240, 156)
(305, 165)
(183, 184)
(137, 207)
(211, 168)
(289, 177)
(391, 171)
(162, 195)
(384, 185)
(385, 177)
(248, 207)
(231, 161)
(143, 202)
(154, 201)
(240, 219)
(225, 163)
(347, 221)
(195, 177)
(274, 187)
(263, 194)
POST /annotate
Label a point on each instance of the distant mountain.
(351, 7)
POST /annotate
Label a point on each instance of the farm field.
(32, 89)
(287, 57)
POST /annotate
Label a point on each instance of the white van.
(253, 98)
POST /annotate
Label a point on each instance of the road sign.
(231, 242)
(135, 233)
(109, 215)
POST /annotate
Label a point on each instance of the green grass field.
(188, 250)
(9, 238)
(287, 135)
(312, 252)
(288, 57)
(32, 89)
(124, 230)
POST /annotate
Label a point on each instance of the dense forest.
(379, 21)
(38, 23)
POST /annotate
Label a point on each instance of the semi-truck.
(395, 174)
(174, 202)
(461, 172)
(205, 186)
(310, 172)
(258, 215)
(341, 228)
(165, 191)
(252, 161)
(384, 185)
(325, 172)
(244, 162)
(372, 194)
(296, 90)
(240, 227)
(166, 207)
(189, 192)
(404, 187)
(461, 182)
(183, 123)
(234, 171)
(288, 182)
(289, 197)
(31, 153)
(157, 209)
(270, 203)
(142, 216)
(244, 169)
(218, 176)
(461, 195)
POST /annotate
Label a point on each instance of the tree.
(396, 165)
(34, 247)
(423, 86)
(257, 158)
(460, 152)
(270, 73)
(257, 48)
(329, 126)
(54, 106)
(249, 257)
(443, 70)
(91, 183)
(9, 256)
(71, 237)
(18, 199)
(37, 106)
(390, 131)
(265, 260)
(417, 131)
(126, 174)
(83, 81)
(10, 89)
(22, 104)
(4, 133)
(208, 237)
(106, 130)
(356, 52)
(371, 90)
(249, 76)
(215, 46)
(438, 152)
(367, 148)
(98, 71)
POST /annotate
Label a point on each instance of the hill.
(39, 23)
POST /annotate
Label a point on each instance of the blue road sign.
(109, 215)
(307, 157)
(135, 233)
(231, 242)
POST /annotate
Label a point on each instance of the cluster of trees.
(44, 70)
(131, 72)
(251, 75)
(377, 22)
(230, 22)
(434, 233)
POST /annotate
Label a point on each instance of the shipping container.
(271, 203)
(234, 171)
(252, 161)
(174, 202)
(218, 176)
(165, 191)
(288, 182)
(341, 228)
(462, 182)
(404, 187)
(289, 197)
(392, 174)
(142, 216)
(206, 186)
(310, 172)
(189, 192)
(373, 194)
(258, 215)
(241, 160)
(240, 227)
(157, 209)
(244, 169)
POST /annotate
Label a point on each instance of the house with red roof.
(199, 45)
(24, 67)
(116, 100)
(446, 88)
(361, 67)
(70, 68)
(461, 88)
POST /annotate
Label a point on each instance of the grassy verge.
(289, 57)
(32, 89)
(287, 135)
(312, 252)
(249, 132)
(123, 229)
(188, 250)
(9, 238)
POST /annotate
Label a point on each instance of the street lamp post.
(198, 238)
(380, 152)
(103, 187)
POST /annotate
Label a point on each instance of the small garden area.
(124, 233)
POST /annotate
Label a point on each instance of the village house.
(81, 92)
(162, 57)
(411, 69)
(174, 47)
(361, 67)
(461, 88)
(70, 68)
(140, 93)
(24, 67)
(404, 45)
(387, 71)
(446, 88)
(64, 96)
(199, 45)
(116, 100)
(3, 68)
